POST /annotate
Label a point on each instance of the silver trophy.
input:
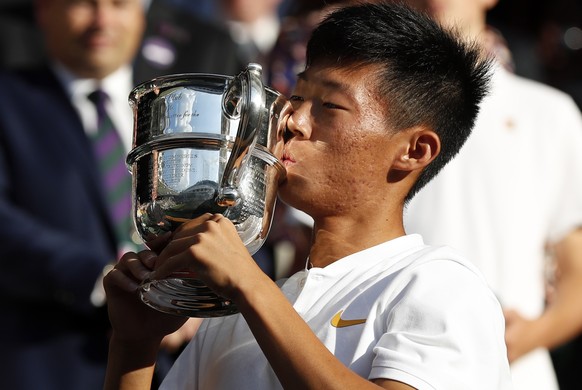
(204, 143)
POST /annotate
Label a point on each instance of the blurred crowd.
(537, 40)
(544, 36)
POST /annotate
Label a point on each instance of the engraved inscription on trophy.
(181, 168)
(188, 177)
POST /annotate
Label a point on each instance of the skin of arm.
(562, 319)
(138, 330)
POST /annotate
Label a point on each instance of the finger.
(224, 222)
(157, 243)
(117, 278)
(148, 258)
(193, 226)
(215, 225)
(132, 266)
(178, 245)
(217, 217)
(122, 262)
(180, 263)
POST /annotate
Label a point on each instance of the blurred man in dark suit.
(58, 232)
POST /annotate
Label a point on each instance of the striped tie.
(110, 154)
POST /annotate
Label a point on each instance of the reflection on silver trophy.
(204, 143)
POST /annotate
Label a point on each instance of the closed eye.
(333, 106)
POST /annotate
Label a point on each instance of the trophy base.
(185, 297)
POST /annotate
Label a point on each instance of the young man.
(386, 99)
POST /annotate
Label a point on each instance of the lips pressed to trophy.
(204, 143)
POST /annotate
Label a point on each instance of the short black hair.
(429, 75)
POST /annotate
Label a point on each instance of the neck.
(478, 33)
(337, 237)
(472, 27)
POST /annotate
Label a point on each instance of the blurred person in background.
(252, 24)
(511, 201)
(59, 231)
(177, 40)
(20, 40)
(287, 57)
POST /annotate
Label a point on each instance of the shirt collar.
(117, 85)
(370, 256)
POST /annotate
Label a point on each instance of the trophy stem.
(185, 297)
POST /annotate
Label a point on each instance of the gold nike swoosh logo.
(338, 322)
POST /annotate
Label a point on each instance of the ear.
(420, 147)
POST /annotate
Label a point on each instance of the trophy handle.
(251, 111)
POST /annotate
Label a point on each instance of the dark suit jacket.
(55, 240)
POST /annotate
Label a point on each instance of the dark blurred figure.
(545, 38)
(20, 40)
(287, 57)
(179, 41)
(176, 40)
(560, 47)
(252, 24)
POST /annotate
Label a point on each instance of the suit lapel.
(74, 141)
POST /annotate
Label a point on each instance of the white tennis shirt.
(401, 310)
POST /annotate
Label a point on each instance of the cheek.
(131, 36)
(361, 167)
(132, 20)
(361, 154)
(78, 18)
(346, 181)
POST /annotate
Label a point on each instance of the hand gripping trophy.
(204, 143)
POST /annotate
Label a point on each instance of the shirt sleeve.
(566, 134)
(444, 329)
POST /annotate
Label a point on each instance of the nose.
(103, 13)
(297, 125)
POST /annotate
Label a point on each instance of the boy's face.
(339, 150)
